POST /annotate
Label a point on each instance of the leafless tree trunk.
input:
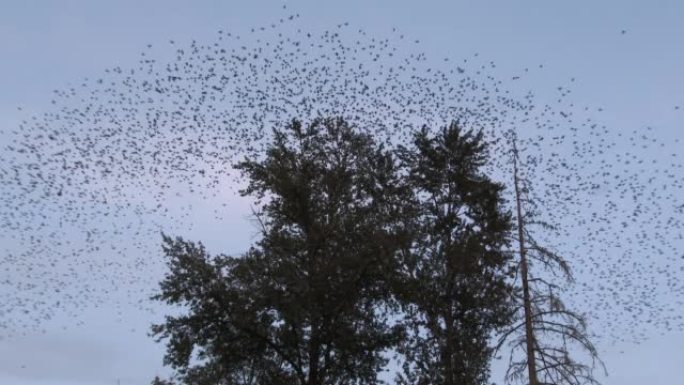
(549, 327)
(529, 332)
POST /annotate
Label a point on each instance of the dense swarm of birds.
(87, 186)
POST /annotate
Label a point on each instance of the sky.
(626, 57)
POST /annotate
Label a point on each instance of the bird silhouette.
(88, 185)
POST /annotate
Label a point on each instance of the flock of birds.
(87, 186)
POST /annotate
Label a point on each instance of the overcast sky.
(627, 57)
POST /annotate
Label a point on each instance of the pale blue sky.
(636, 77)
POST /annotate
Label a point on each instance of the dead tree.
(549, 333)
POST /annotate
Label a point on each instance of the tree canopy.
(305, 304)
(363, 251)
(457, 287)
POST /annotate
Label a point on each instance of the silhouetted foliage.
(363, 251)
(307, 304)
(456, 275)
(159, 381)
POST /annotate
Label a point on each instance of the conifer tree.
(306, 305)
(456, 287)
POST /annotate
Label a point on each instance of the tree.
(548, 331)
(456, 275)
(159, 381)
(308, 303)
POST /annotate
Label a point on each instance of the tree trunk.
(314, 353)
(448, 351)
(529, 332)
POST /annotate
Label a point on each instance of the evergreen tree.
(308, 303)
(456, 275)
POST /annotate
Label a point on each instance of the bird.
(137, 149)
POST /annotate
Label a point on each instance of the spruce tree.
(456, 276)
(307, 304)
